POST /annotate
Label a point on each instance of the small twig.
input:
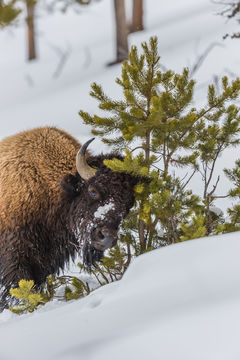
(94, 274)
(214, 186)
(202, 57)
(221, 196)
(129, 257)
(101, 272)
(233, 8)
(189, 179)
(137, 147)
(63, 57)
(156, 167)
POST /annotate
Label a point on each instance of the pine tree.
(8, 13)
(159, 130)
(28, 297)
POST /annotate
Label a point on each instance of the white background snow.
(178, 303)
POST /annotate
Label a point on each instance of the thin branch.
(212, 167)
(214, 186)
(221, 196)
(63, 57)
(233, 8)
(202, 57)
(189, 179)
(137, 147)
(156, 167)
(129, 257)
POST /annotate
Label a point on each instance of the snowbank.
(178, 302)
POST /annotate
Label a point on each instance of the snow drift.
(178, 302)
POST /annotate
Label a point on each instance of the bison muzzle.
(55, 200)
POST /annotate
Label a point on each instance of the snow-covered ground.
(180, 302)
(177, 303)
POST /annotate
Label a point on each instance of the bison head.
(101, 199)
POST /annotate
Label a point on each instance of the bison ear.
(71, 184)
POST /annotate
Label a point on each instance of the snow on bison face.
(102, 199)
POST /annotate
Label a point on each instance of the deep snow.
(180, 302)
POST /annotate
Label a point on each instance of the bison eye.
(93, 193)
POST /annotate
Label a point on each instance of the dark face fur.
(99, 206)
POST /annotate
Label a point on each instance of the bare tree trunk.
(141, 228)
(121, 32)
(137, 16)
(30, 4)
(141, 224)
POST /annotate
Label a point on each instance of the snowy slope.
(176, 303)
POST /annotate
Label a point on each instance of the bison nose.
(104, 238)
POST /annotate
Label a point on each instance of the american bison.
(55, 199)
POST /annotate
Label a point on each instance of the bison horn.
(84, 170)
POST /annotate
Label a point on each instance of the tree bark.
(141, 223)
(141, 228)
(137, 16)
(121, 31)
(31, 29)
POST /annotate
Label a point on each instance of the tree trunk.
(141, 224)
(141, 228)
(31, 29)
(121, 32)
(137, 16)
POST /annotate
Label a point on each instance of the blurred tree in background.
(31, 32)
(137, 16)
(121, 32)
(9, 11)
(30, 18)
(122, 28)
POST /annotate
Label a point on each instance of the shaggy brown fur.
(41, 222)
(32, 163)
